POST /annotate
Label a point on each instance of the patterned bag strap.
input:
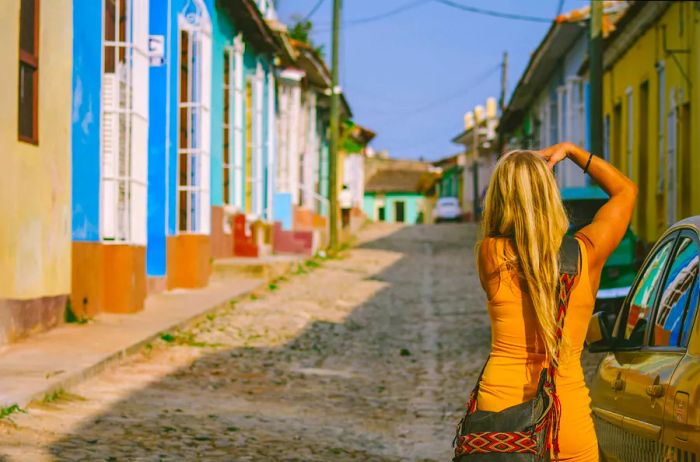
(569, 258)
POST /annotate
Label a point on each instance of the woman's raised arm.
(610, 223)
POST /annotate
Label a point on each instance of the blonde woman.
(524, 223)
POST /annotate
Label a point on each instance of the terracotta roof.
(386, 181)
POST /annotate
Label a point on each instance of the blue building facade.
(174, 138)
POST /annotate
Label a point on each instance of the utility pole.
(335, 131)
(475, 166)
(502, 99)
(595, 65)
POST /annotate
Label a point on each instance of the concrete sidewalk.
(64, 356)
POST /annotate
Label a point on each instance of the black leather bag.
(526, 431)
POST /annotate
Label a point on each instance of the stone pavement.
(38, 365)
(368, 357)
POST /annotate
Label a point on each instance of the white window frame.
(195, 22)
(562, 121)
(227, 126)
(124, 130)
(257, 81)
(629, 97)
(238, 109)
(271, 140)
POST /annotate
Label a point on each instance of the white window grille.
(124, 117)
(194, 140)
(562, 120)
(310, 167)
(238, 109)
(271, 139)
(630, 131)
(283, 136)
(227, 125)
(661, 98)
(256, 180)
(672, 119)
(574, 127)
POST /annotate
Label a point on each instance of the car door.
(609, 390)
(680, 438)
(649, 370)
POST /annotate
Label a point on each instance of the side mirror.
(599, 337)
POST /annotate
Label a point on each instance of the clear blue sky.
(412, 76)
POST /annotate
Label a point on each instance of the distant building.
(396, 190)
(549, 103)
(352, 170)
(481, 152)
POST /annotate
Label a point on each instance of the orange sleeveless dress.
(517, 352)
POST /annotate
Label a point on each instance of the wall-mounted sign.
(156, 50)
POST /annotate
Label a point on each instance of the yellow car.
(646, 392)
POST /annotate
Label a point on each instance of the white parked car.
(447, 209)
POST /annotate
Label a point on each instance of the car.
(645, 393)
(447, 209)
(582, 204)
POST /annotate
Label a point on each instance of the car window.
(690, 313)
(641, 301)
(676, 295)
(582, 211)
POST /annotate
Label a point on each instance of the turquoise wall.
(412, 206)
(368, 206)
(223, 34)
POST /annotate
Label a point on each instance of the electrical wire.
(474, 83)
(560, 7)
(314, 9)
(387, 14)
(497, 14)
(380, 16)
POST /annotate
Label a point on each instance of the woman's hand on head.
(555, 153)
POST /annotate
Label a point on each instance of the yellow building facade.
(35, 236)
(651, 104)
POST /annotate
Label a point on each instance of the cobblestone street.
(368, 357)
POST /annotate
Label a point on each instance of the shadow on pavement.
(386, 384)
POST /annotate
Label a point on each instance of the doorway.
(399, 211)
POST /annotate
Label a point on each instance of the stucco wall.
(158, 142)
(636, 66)
(413, 206)
(85, 118)
(35, 251)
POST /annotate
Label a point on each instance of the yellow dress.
(517, 353)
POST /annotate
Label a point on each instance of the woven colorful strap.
(525, 442)
(486, 442)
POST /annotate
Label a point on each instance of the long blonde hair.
(523, 203)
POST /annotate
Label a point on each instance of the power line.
(474, 83)
(560, 7)
(497, 14)
(313, 10)
(387, 14)
(380, 16)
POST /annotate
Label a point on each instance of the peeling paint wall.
(35, 193)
